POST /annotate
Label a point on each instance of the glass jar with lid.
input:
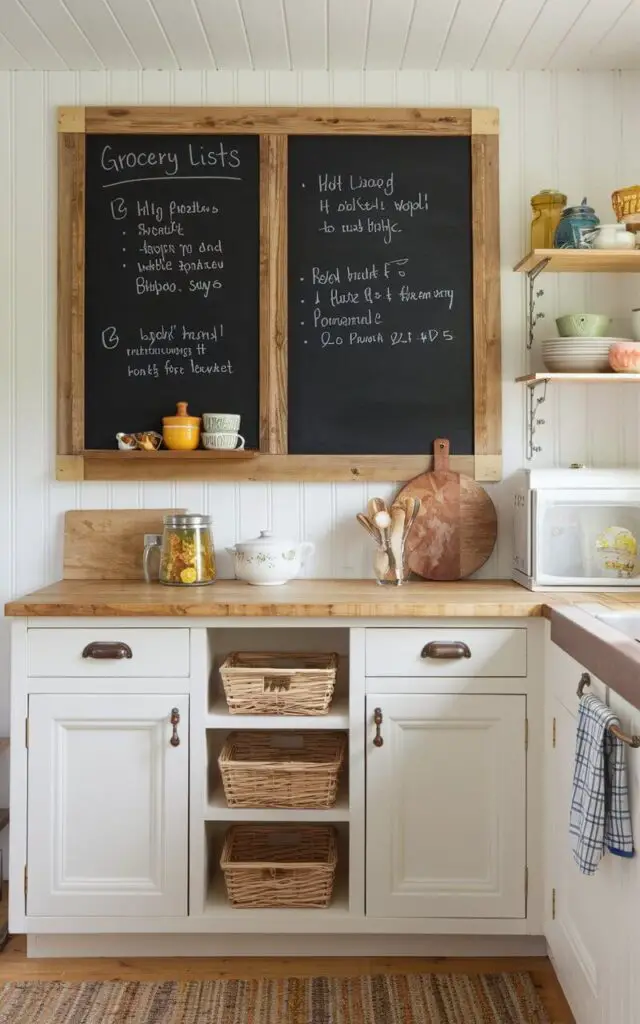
(576, 226)
(547, 207)
(187, 558)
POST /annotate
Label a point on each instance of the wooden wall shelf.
(164, 455)
(580, 261)
(204, 465)
(584, 378)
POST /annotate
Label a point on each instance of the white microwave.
(577, 529)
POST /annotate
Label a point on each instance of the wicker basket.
(626, 201)
(292, 769)
(279, 684)
(279, 865)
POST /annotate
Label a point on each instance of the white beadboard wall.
(578, 132)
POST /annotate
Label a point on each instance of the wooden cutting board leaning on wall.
(107, 544)
(456, 528)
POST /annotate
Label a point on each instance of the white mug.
(221, 422)
(222, 439)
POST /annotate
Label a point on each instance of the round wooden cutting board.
(456, 528)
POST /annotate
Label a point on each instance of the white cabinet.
(446, 806)
(107, 805)
(591, 924)
(574, 933)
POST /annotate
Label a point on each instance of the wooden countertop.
(298, 599)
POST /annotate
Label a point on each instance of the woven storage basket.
(292, 769)
(279, 684)
(279, 865)
(626, 201)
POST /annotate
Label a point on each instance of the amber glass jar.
(547, 207)
(187, 557)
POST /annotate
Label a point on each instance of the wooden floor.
(14, 966)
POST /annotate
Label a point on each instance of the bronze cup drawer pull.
(445, 649)
(109, 649)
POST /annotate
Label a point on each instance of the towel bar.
(631, 741)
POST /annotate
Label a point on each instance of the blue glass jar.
(575, 222)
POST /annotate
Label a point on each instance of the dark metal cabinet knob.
(175, 722)
(377, 718)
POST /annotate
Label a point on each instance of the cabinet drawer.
(153, 652)
(479, 652)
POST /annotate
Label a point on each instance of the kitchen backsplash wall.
(577, 132)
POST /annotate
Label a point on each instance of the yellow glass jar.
(187, 557)
(547, 207)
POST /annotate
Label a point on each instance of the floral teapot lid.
(266, 541)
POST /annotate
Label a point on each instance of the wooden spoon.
(396, 535)
(369, 527)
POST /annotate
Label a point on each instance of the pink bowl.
(624, 356)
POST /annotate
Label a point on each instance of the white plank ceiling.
(313, 34)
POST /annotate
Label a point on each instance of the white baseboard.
(284, 945)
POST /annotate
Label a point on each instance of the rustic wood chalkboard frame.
(274, 125)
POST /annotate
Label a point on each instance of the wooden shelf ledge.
(164, 455)
(580, 261)
(585, 378)
(252, 465)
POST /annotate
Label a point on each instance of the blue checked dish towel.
(600, 818)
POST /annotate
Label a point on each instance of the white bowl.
(579, 364)
(586, 344)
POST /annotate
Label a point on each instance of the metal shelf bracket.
(533, 420)
(533, 294)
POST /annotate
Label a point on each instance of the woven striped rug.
(381, 999)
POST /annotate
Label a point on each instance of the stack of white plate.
(577, 354)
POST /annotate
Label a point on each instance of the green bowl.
(586, 325)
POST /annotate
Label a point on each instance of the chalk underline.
(178, 177)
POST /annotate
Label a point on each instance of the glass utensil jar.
(547, 208)
(388, 572)
(187, 557)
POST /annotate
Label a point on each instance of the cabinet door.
(578, 943)
(446, 806)
(107, 806)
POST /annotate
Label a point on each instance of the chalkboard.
(171, 281)
(380, 294)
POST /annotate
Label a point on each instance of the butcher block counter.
(298, 599)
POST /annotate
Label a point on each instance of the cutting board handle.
(441, 455)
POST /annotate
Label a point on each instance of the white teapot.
(267, 561)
